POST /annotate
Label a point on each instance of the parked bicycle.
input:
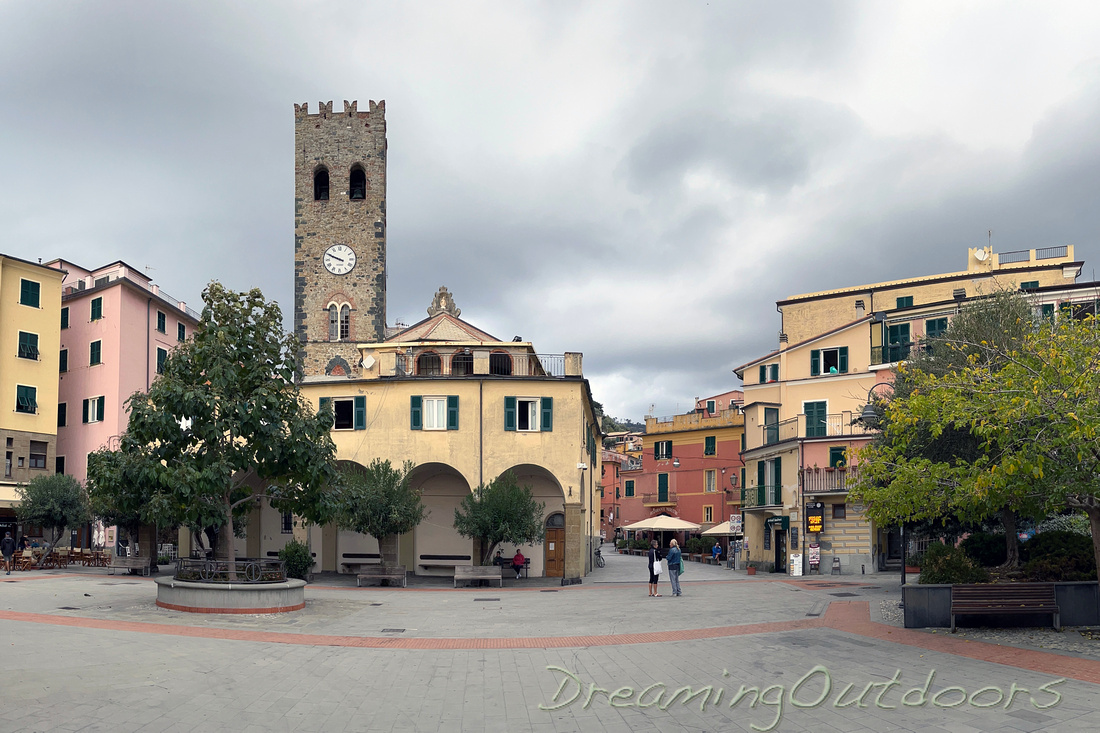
(599, 558)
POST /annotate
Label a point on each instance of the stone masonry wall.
(339, 141)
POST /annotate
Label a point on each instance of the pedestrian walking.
(654, 569)
(675, 566)
(7, 549)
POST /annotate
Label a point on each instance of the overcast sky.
(636, 181)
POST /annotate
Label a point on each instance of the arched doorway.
(436, 546)
(555, 545)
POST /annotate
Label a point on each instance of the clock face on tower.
(339, 259)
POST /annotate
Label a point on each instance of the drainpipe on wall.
(480, 433)
(148, 343)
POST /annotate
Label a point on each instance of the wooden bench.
(479, 572)
(507, 564)
(380, 573)
(128, 563)
(992, 599)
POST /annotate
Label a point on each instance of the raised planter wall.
(192, 597)
(929, 606)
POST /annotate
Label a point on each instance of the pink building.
(117, 329)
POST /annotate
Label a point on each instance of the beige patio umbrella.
(720, 530)
(663, 524)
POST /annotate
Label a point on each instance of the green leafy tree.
(1034, 410)
(119, 484)
(378, 500)
(982, 334)
(53, 503)
(501, 511)
(225, 418)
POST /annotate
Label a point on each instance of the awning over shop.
(783, 522)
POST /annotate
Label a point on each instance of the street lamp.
(870, 418)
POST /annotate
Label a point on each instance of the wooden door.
(555, 552)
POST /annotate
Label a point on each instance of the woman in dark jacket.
(654, 566)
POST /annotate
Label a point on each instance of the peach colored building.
(117, 329)
(803, 400)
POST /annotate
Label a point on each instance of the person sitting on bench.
(517, 562)
(498, 559)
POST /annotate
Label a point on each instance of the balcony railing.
(1050, 253)
(830, 426)
(453, 365)
(762, 496)
(659, 499)
(890, 353)
(828, 480)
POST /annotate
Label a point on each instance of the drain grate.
(486, 599)
(844, 595)
(67, 608)
(552, 590)
(393, 631)
(376, 604)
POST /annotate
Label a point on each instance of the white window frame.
(533, 415)
(664, 456)
(710, 484)
(708, 514)
(342, 400)
(434, 412)
(93, 410)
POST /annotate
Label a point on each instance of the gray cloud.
(637, 181)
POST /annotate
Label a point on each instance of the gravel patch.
(1083, 641)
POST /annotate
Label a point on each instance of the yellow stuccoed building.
(803, 401)
(464, 407)
(30, 338)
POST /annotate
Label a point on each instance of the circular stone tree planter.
(199, 597)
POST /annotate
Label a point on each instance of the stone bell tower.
(339, 235)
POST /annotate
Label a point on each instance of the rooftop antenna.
(991, 240)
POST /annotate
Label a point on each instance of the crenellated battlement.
(351, 109)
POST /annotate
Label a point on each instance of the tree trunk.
(1012, 545)
(387, 549)
(1093, 513)
(227, 538)
(54, 537)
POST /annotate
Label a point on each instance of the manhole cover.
(844, 595)
(486, 599)
(393, 631)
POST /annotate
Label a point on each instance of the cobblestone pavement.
(85, 651)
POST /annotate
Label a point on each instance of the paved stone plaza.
(88, 651)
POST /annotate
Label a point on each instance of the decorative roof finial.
(443, 302)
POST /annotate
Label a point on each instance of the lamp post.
(871, 419)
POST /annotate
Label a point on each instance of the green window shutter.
(761, 476)
(65, 317)
(325, 403)
(416, 412)
(836, 456)
(763, 373)
(85, 419)
(63, 360)
(452, 412)
(360, 412)
(815, 420)
(815, 362)
(709, 445)
(29, 293)
(509, 413)
(97, 308)
(843, 366)
(778, 475)
(546, 422)
(101, 402)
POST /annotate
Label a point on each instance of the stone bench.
(479, 572)
(128, 563)
(395, 573)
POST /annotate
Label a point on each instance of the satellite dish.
(980, 254)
